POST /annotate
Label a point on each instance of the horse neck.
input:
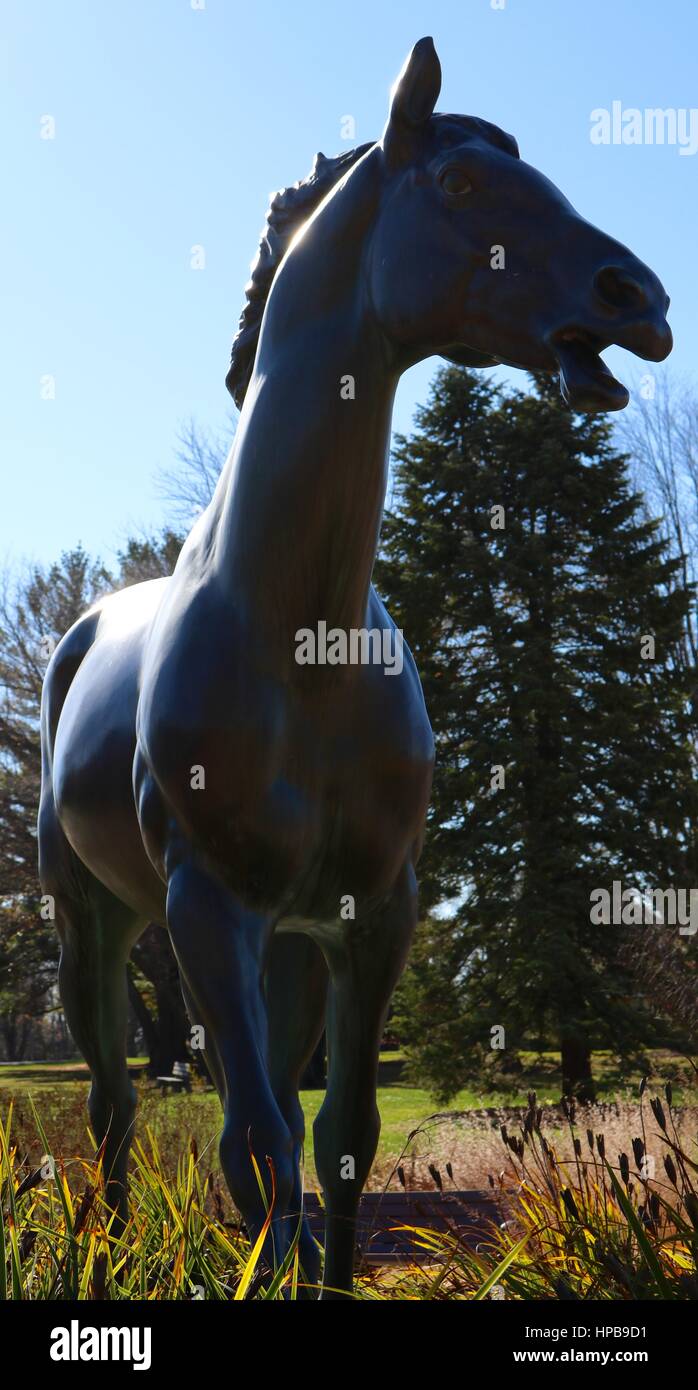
(299, 523)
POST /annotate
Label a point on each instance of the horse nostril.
(619, 288)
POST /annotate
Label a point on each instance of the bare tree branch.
(189, 484)
(660, 433)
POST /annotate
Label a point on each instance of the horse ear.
(414, 95)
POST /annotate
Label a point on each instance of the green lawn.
(61, 1103)
(540, 1073)
(59, 1091)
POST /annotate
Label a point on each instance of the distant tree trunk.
(315, 1075)
(167, 1036)
(577, 1079)
(173, 1025)
(15, 1032)
(9, 1036)
(144, 1018)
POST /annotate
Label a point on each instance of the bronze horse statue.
(269, 812)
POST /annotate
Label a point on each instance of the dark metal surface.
(194, 773)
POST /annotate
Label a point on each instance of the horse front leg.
(365, 960)
(220, 948)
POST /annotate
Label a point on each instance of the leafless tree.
(660, 433)
(188, 485)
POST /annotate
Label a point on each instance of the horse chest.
(301, 798)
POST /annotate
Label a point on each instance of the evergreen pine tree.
(545, 616)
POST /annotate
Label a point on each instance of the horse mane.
(289, 209)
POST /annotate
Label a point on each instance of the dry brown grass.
(470, 1141)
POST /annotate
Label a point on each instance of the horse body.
(293, 790)
(270, 813)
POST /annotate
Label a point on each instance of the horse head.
(477, 257)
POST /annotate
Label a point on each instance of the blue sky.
(172, 126)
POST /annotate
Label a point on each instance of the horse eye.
(455, 182)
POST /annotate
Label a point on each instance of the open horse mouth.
(585, 381)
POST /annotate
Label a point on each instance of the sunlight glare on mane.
(290, 208)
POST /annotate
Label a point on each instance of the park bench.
(180, 1080)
